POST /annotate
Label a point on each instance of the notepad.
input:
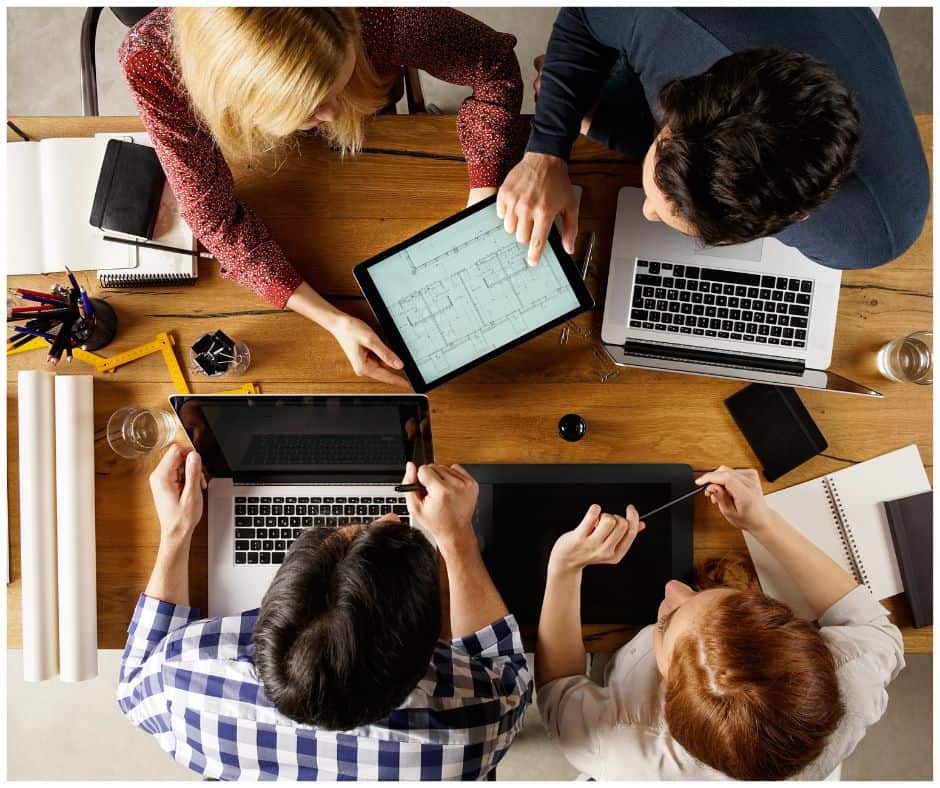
(50, 189)
(151, 266)
(843, 514)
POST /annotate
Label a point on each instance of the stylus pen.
(160, 247)
(410, 488)
(674, 501)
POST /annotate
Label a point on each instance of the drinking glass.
(135, 432)
(908, 359)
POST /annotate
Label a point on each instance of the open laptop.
(759, 311)
(279, 464)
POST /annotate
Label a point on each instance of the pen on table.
(86, 303)
(51, 315)
(674, 501)
(33, 333)
(42, 298)
(406, 488)
(159, 247)
(587, 254)
(18, 310)
(15, 342)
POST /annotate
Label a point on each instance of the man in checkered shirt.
(342, 673)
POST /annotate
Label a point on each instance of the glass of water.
(908, 359)
(135, 432)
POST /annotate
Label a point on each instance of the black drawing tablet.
(461, 292)
(523, 509)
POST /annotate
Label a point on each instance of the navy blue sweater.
(878, 211)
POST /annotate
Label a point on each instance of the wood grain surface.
(330, 213)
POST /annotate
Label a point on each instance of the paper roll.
(75, 516)
(35, 397)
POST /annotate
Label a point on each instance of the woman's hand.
(738, 496)
(599, 539)
(176, 486)
(368, 355)
(480, 193)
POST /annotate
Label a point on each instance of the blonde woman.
(238, 83)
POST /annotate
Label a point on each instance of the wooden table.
(331, 213)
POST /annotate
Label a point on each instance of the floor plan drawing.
(467, 291)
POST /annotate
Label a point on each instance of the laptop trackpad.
(752, 251)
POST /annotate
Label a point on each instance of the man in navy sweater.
(751, 122)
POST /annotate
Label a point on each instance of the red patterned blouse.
(446, 43)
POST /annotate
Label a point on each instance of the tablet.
(461, 292)
(523, 509)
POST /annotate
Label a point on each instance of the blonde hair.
(254, 75)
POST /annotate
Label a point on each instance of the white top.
(619, 731)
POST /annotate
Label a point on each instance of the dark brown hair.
(348, 626)
(752, 692)
(754, 143)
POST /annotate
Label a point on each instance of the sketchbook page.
(170, 229)
(70, 170)
(862, 490)
(806, 507)
(24, 209)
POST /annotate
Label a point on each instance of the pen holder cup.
(104, 329)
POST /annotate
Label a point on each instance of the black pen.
(674, 501)
(159, 247)
(406, 488)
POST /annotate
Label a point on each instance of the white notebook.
(50, 188)
(152, 266)
(843, 514)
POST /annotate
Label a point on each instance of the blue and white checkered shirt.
(192, 684)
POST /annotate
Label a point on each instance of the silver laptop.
(759, 311)
(280, 464)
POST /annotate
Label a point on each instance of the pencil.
(674, 501)
(159, 247)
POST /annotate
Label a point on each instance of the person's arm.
(599, 539)
(204, 187)
(163, 608)
(739, 497)
(538, 188)
(458, 49)
(445, 509)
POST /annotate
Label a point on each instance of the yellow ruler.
(37, 343)
(163, 343)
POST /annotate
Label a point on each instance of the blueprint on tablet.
(467, 290)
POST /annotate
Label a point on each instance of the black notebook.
(127, 197)
(778, 427)
(911, 522)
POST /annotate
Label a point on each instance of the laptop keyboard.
(265, 527)
(324, 450)
(712, 302)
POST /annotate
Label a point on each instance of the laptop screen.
(334, 435)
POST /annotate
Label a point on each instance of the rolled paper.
(75, 519)
(36, 407)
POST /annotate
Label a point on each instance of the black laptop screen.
(259, 436)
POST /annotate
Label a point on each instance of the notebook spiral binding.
(119, 280)
(845, 532)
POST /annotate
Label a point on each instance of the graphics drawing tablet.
(461, 292)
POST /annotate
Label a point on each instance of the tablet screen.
(467, 290)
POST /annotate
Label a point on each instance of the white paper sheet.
(75, 517)
(35, 397)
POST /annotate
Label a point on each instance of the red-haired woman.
(728, 683)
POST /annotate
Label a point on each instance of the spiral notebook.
(153, 267)
(843, 514)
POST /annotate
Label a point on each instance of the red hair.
(753, 691)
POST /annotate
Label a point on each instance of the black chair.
(409, 86)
